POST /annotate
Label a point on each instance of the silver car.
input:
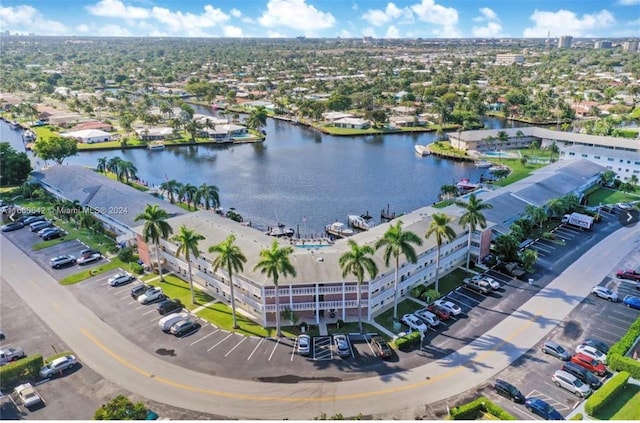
(571, 383)
(58, 365)
(605, 293)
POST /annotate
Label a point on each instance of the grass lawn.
(443, 147)
(174, 287)
(114, 263)
(518, 171)
(404, 307)
(533, 153)
(220, 315)
(610, 196)
(45, 131)
(452, 280)
(624, 406)
(444, 203)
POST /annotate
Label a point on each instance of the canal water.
(299, 176)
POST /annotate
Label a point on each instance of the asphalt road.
(110, 354)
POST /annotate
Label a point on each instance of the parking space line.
(244, 338)
(148, 312)
(610, 315)
(155, 319)
(541, 248)
(206, 336)
(220, 342)
(128, 294)
(274, 349)
(366, 339)
(254, 350)
(459, 302)
(468, 297)
(623, 327)
(141, 306)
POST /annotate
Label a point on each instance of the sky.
(324, 18)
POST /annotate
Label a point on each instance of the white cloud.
(113, 31)
(445, 18)
(295, 14)
(345, 34)
(354, 6)
(82, 28)
(179, 21)
(492, 28)
(235, 13)
(232, 31)
(274, 34)
(566, 22)
(378, 17)
(628, 2)
(392, 32)
(486, 14)
(369, 32)
(117, 9)
(25, 19)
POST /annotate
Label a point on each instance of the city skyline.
(324, 18)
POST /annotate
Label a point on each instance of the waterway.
(299, 176)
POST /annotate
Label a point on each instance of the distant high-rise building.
(509, 58)
(630, 46)
(602, 44)
(565, 41)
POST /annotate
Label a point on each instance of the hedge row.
(616, 355)
(577, 416)
(608, 391)
(408, 341)
(470, 411)
(15, 372)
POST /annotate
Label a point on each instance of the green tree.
(528, 258)
(127, 170)
(14, 167)
(188, 240)
(56, 148)
(506, 248)
(231, 258)
(397, 242)
(557, 207)
(607, 177)
(121, 408)
(473, 218)
(357, 261)
(155, 228)
(440, 229)
(275, 262)
(257, 118)
(102, 164)
(170, 188)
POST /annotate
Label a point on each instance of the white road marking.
(254, 350)
(220, 342)
(206, 336)
(274, 349)
(244, 338)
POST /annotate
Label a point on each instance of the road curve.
(128, 365)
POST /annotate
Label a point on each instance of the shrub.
(417, 291)
(136, 268)
(113, 248)
(617, 360)
(470, 411)
(126, 255)
(27, 368)
(577, 416)
(408, 341)
(549, 235)
(608, 391)
(430, 295)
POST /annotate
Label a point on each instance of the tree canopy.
(56, 148)
(14, 167)
(121, 408)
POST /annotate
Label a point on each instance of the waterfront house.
(155, 134)
(88, 136)
(352, 123)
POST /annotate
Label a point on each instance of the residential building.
(88, 136)
(509, 59)
(155, 134)
(602, 44)
(351, 123)
(565, 41)
(630, 46)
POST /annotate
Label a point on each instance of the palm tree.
(187, 240)
(231, 257)
(189, 191)
(440, 228)
(473, 218)
(213, 195)
(113, 164)
(207, 194)
(127, 169)
(557, 207)
(155, 228)
(503, 138)
(169, 187)
(102, 164)
(257, 118)
(537, 214)
(357, 261)
(275, 262)
(396, 242)
(86, 219)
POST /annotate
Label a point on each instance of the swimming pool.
(502, 154)
(311, 246)
(476, 192)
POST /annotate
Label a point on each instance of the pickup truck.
(11, 354)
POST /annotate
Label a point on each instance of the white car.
(58, 365)
(153, 294)
(606, 293)
(413, 322)
(120, 279)
(623, 206)
(89, 259)
(452, 308)
(28, 395)
(167, 321)
(592, 352)
(495, 285)
(304, 344)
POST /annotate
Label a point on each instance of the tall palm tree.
(396, 242)
(113, 164)
(473, 218)
(190, 193)
(213, 195)
(188, 240)
(439, 227)
(357, 261)
(155, 228)
(230, 256)
(127, 169)
(537, 215)
(170, 188)
(275, 262)
(102, 164)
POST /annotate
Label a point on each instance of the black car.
(52, 234)
(14, 226)
(169, 306)
(597, 344)
(381, 347)
(583, 374)
(138, 290)
(508, 390)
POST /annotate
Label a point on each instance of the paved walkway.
(197, 309)
(322, 327)
(382, 329)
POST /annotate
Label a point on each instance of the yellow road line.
(212, 392)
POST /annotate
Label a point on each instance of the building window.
(610, 159)
(571, 153)
(596, 157)
(585, 155)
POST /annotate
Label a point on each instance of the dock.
(386, 215)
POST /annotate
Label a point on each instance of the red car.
(590, 364)
(439, 311)
(628, 274)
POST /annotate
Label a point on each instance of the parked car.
(38, 226)
(28, 395)
(304, 344)
(89, 259)
(571, 383)
(124, 278)
(13, 226)
(590, 364)
(628, 274)
(632, 302)
(380, 346)
(508, 390)
(2, 337)
(88, 252)
(137, 290)
(592, 352)
(605, 293)
(32, 219)
(452, 308)
(443, 314)
(623, 206)
(556, 350)
(152, 294)
(583, 374)
(169, 306)
(61, 261)
(413, 322)
(597, 344)
(477, 285)
(58, 365)
(428, 317)
(184, 327)
(341, 342)
(492, 282)
(167, 321)
(542, 409)
(52, 233)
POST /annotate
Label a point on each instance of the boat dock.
(338, 230)
(386, 215)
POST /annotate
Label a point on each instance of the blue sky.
(323, 18)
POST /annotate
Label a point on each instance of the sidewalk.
(197, 309)
(382, 329)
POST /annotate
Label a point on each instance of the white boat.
(156, 145)
(466, 184)
(280, 231)
(422, 150)
(359, 222)
(338, 230)
(482, 164)
(497, 168)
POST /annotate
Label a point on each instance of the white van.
(167, 321)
